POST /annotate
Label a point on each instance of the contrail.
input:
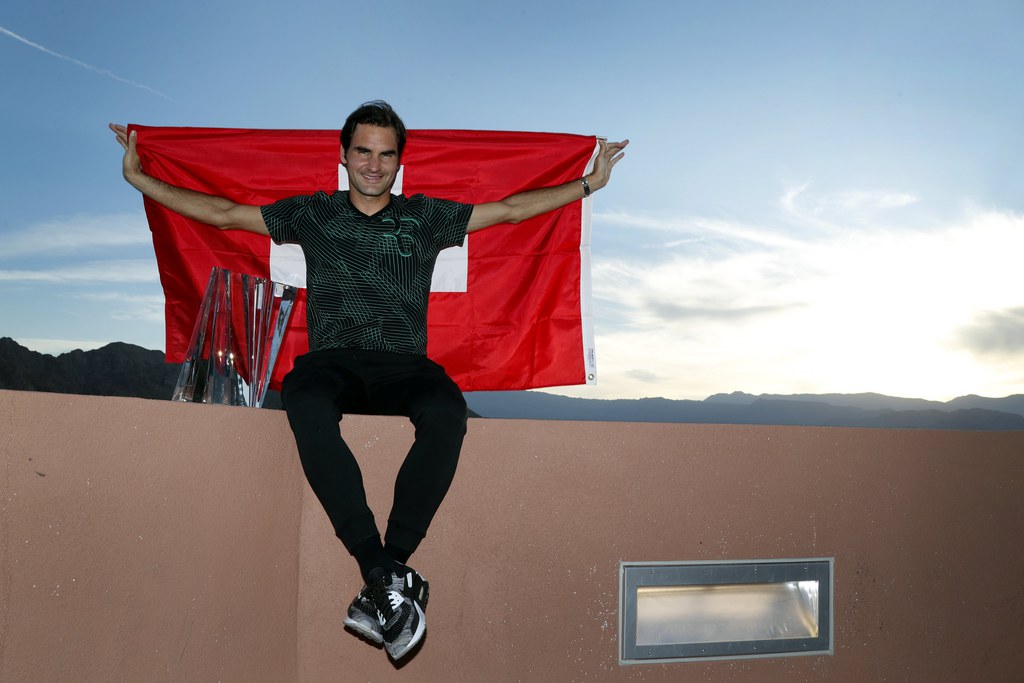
(90, 67)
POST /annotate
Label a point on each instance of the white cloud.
(848, 311)
(835, 209)
(122, 271)
(134, 307)
(74, 234)
(699, 229)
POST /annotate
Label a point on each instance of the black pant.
(324, 385)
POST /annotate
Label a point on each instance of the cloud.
(645, 376)
(90, 67)
(135, 307)
(835, 209)
(74, 234)
(995, 333)
(670, 310)
(120, 271)
(876, 309)
(698, 229)
(74, 237)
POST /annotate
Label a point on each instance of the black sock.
(370, 555)
(400, 555)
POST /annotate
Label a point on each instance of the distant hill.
(825, 410)
(120, 369)
(117, 369)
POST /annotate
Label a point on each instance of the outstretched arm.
(524, 205)
(206, 208)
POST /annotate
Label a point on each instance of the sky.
(818, 197)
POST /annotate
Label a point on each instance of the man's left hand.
(608, 154)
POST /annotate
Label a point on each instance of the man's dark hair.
(375, 113)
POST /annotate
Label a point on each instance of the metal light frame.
(778, 608)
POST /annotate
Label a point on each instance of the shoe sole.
(364, 631)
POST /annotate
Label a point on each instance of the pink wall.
(147, 540)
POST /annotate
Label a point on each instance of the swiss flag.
(509, 310)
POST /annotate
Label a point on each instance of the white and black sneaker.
(362, 617)
(398, 603)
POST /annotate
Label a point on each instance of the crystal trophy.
(236, 340)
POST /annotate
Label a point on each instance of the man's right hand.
(131, 166)
(216, 211)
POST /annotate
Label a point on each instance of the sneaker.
(362, 617)
(399, 601)
(416, 587)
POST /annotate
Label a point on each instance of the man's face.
(371, 160)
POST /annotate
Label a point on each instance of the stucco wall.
(147, 540)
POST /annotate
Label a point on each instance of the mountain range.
(120, 369)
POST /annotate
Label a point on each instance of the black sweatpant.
(326, 384)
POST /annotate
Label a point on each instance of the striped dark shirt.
(368, 277)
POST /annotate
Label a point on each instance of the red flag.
(518, 316)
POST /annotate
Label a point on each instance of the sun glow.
(864, 310)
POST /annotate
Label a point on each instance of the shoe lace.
(383, 599)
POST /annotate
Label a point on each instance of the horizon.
(546, 390)
(816, 198)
